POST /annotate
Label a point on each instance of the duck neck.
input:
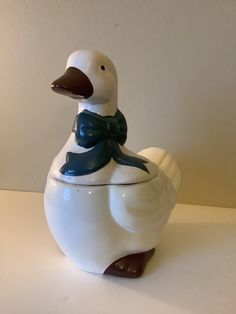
(105, 109)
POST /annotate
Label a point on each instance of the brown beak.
(73, 83)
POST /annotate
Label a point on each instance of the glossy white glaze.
(165, 162)
(104, 98)
(117, 210)
(96, 225)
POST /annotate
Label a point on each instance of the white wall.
(176, 62)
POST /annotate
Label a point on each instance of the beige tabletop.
(193, 270)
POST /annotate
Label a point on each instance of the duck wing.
(147, 205)
(141, 207)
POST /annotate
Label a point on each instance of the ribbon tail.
(126, 160)
(88, 162)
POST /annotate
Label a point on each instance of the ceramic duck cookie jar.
(105, 205)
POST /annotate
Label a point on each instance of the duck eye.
(102, 67)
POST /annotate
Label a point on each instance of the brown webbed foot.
(130, 266)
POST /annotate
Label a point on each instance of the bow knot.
(104, 134)
(112, 127)
(90, 128)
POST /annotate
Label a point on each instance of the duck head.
(91, 78)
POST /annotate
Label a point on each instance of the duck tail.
(165, 162)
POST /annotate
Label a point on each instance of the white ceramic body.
(96, 225)
(118, 210)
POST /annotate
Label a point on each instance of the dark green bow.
(103, 135)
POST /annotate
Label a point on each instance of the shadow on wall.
(207, 157)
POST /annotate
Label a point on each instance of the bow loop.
(89, 129)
